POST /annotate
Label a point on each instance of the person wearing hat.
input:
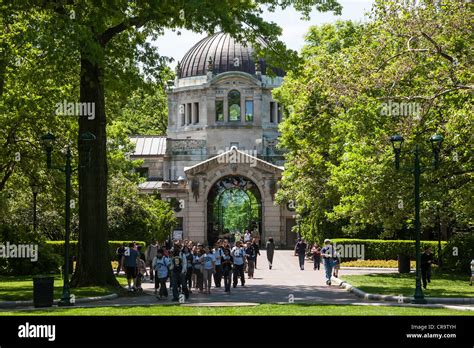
(327, 252)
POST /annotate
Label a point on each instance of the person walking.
(327, 252)
(238, 255)
(209, 263)
(119, 253)
(189, 266)
(218, 253)
(150, 254)
(250, 255)
(270, 246)
(198, 269)
(161, 265)
(257, 250)
(301, 252)
(178, 269)
(227, 262)
(316, 251)
(426, 261)
(129, 262)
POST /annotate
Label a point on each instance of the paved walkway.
(283, 284)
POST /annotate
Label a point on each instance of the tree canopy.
(408, 70)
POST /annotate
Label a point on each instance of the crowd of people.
(190, 266)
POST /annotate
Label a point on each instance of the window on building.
(280, 112)
(272, 112)
(189, 112)
(196, 112)
(234, 105)
(249, 110)
(219, 110)
(142, 172)
(182, 113)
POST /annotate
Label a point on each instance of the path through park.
(284, 283)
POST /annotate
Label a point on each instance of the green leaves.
(340, 163)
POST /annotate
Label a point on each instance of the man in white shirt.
(247, 236)
(218, 253)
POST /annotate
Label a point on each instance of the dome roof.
(223, 49)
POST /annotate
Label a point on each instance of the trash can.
(43, 291)
(403, 264)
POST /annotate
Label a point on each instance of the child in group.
(209, 262)
(198, 269)
(227, 262)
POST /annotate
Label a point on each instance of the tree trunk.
(93, 264)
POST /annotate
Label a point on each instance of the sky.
(294, 28)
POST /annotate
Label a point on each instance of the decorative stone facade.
(227, 111)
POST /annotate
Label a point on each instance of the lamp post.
(397, 142)
(48, 140)
(35, 189)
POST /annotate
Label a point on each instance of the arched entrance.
(234, 203)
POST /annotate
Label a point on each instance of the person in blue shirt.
(238, 255)
(218, 253)
(209, 262)
(129, 262)
(327, 252)
(161, 266)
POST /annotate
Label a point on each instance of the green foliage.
(459, 252)
(340, 163)
(48, 261)
(236, 209)
(376, 249)
(132, 215)
(58, 247)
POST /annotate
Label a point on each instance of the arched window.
(234, 105)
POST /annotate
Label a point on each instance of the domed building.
(219, 165)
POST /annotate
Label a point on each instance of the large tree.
(114, 33)
(407, 70)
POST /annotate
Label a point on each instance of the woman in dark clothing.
(270, 250)
(189, 264)
(257, 250)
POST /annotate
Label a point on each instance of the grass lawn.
(442, 284)
(20, 288)
(264, 310)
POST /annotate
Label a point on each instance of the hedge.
(375, 249)
(58, 247)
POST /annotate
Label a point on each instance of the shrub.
(48, 260)
(375, 249)
(459, 252)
